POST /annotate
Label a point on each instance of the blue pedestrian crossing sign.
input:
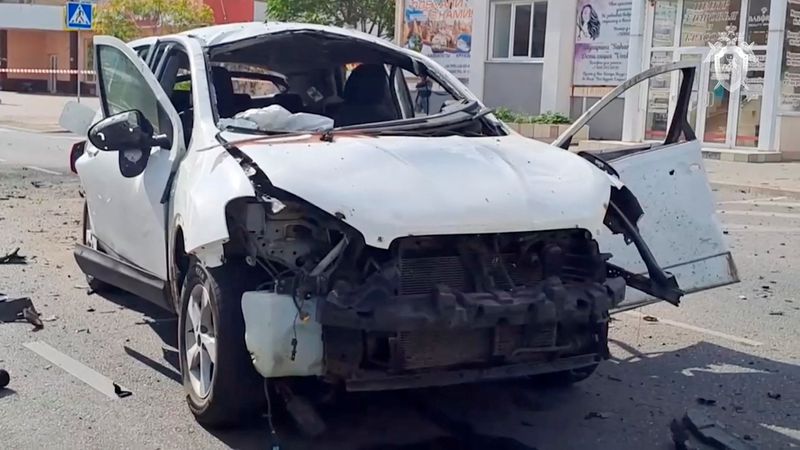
(79, 16)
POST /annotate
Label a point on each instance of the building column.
(632, 126)
(3, 56)
(559, 51)
(74, 48)
(480, 46)
(768, 136)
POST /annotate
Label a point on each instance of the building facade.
(534, 56)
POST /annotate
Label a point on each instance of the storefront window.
(658, 98)
(757, 22)
(665, 15)
(790, 69)
(748, 128)
(706, 21)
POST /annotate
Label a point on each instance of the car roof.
(215, 35)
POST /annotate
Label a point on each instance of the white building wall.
(31, 17)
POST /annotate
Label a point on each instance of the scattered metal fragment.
(12, 309)
(13, 258)
(698, 431)
(776, 313)
(650, 318)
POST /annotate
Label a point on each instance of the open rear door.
(676, 213)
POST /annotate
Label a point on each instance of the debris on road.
(698, 431)
(32, 316)
(650, 319)
(706, 401)
(596, 415)
(774, 395)
(14, 309)
(14, 258)
(121, 393)
(776, 313)
(5, 378)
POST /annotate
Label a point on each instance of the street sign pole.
(80, 65)
(79, 16)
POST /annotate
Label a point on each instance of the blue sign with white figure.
(79, 16)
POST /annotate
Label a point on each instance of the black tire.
(95, 285)
(236, 389)
(565, 378)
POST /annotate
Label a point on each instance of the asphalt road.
(37, 151)
(737, 347)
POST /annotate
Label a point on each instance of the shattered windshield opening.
(300, 82)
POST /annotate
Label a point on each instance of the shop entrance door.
(713, 110)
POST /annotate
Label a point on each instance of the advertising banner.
(441, 30)
(601, 42)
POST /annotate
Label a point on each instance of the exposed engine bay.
(459, 302)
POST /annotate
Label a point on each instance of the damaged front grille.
(500, 262)
(421, 275)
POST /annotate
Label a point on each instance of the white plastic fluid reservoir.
(271, 321)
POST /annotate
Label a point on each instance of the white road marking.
(696, 329)
(80, 371)
(760, 214)
(721, 369)
(788, 432)
(51, 172)
(752, 200)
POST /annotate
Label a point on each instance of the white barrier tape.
(49, 71)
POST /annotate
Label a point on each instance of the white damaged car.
(311, 215)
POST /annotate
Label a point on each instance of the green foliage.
(548, 118)
(130, 19)
(371, 16)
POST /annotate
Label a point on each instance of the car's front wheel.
(222, 386)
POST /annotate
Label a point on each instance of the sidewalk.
(36, 112)
(778, 179)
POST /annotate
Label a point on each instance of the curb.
(33, 130)
(749, 189)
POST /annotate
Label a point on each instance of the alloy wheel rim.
(200, 341)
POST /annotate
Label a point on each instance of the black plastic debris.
(774, 395)
(5, 378)
(13, 258)
(650, 319)
(121, 393)
(706, 401)
(14, 309)
(596, 415)
(697, 430)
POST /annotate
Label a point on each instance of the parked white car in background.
(274, 186)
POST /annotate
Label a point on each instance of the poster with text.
(790, 69)
(441, 30)
(603, 30)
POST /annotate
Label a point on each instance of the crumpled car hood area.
(390, 187)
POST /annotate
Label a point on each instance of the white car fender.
(206, 182)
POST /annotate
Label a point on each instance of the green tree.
(371, 16)
(130, 19)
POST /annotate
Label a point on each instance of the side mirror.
(130, 134)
